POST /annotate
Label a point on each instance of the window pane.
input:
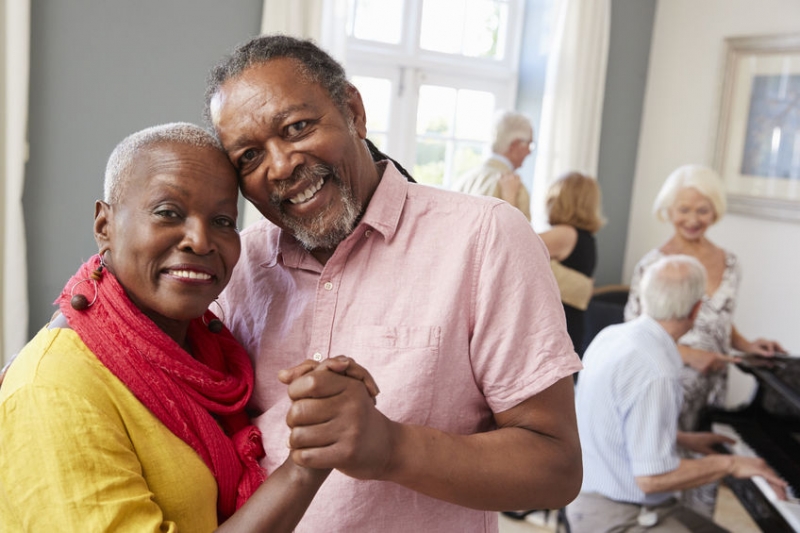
(376, 20)
(474, 28)
(435, 110)
(376, 95)
(466, 157)
(429, 167)
(442, 26)
(474, 114)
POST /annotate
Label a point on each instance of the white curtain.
(15, 68)
(323, 21)
(572, 107)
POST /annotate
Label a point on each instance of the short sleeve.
(520, 344)
(651, 426)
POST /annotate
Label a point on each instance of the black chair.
(606, 307)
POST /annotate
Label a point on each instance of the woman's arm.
(704, 361)
(560, 241)
(280, 502)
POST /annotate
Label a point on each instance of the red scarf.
(188, 394)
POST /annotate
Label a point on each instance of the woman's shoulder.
(56, 361)
(650, 257)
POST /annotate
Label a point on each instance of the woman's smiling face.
(691, 214)
(171, 239)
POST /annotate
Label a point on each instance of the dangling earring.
(79, 302)
(215, 325)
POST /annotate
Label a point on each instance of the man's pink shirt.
(447, 299)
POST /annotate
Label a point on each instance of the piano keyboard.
(789, 509)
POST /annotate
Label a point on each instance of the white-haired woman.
(692, 199)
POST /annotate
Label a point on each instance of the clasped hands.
(334, 421)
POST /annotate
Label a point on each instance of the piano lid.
(780, 379)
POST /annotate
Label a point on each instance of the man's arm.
(533, 459)
(696, 472)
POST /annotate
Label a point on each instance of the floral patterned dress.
(711, 332)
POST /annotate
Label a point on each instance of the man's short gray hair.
(507, 127)
(121, 160)
(672, 286)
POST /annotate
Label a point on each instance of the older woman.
(692, 199)
(126, 412)
(574, 211)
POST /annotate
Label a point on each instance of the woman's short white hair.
(121, 160)
(509, 126)
(672, 286)
(699, 177)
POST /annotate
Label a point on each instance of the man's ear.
(102, 224)
(357, 112)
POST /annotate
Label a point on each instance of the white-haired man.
(512, 137)
(628, 399)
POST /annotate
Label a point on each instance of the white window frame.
(407, 67)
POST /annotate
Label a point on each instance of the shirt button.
(368, 233)
(328, 285)
(317, 357)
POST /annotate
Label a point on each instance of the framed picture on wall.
(758, 142)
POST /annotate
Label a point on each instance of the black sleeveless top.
(584, 256)
(583, 259)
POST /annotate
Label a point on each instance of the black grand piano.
(768, 428)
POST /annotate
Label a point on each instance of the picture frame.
(757, 152)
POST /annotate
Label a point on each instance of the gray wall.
(628, 56)
(99, 71)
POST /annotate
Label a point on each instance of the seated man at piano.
(628, 399)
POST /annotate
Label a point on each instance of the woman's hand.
(341, 364)
(510, 185)
(764, 347)
(759, 346)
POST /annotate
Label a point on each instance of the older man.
(476, 409)
(628, 399)
(512, 137)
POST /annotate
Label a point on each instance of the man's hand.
(745, 467)
(333, 419)
(703, 442)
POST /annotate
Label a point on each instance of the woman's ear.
(102, 224)
(358, 114)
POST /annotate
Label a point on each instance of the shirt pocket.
(404, 361)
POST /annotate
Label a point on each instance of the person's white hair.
(127, 151)
(699, 177)
(507, 127)
(672, 286)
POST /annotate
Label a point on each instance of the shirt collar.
(503, 159)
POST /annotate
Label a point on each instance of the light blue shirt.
(628, 399)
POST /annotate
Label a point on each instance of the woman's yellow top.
(79, 453)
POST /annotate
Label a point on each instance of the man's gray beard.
(313, 235)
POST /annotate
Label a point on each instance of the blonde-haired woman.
(575, 214)
(692, 199)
